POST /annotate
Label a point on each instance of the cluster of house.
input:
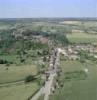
(71, 51)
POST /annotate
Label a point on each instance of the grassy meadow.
(16, 73)
(18, 92)
(11, 85)
(77, 89)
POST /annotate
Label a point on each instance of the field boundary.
(11, 83)
(30, 97)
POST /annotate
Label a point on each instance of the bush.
(8, 64)
(3, 61)
(29, 78)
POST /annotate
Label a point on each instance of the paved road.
(38, 94)
(53, 67)
(47, 89)
(49, 83)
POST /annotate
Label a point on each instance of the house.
(95, 56)
(73, 57)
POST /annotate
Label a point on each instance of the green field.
(16, 73)
(77, 89)
(18, 92)
(82, 38)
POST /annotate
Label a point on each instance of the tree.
(44, 59)
(29, 78)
